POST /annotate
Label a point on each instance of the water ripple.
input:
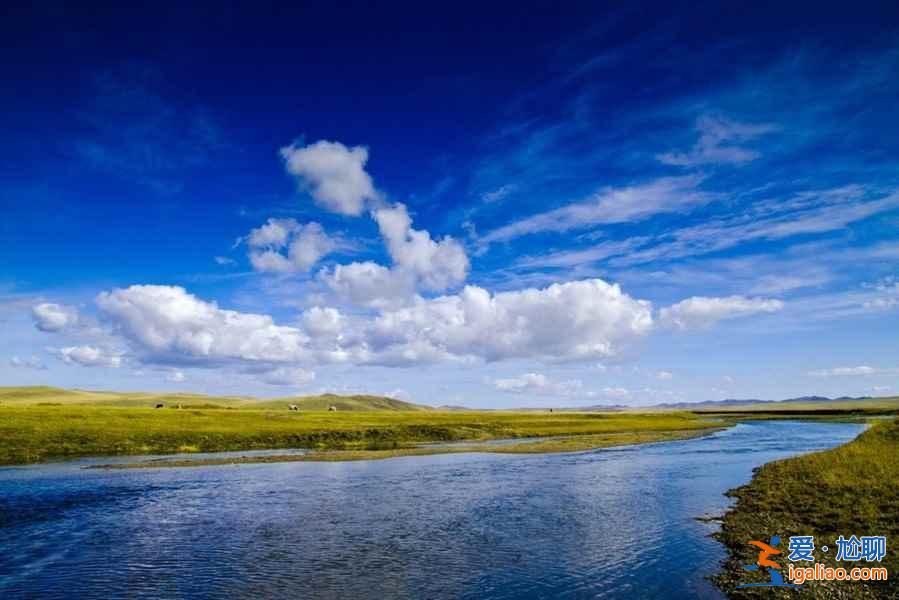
(615, 523)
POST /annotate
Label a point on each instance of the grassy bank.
(37, 433)
(564, 444)
(851, 490)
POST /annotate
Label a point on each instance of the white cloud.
(572, 258)
(858, 371)
(273, 233)
(176, 377)
(577, 320)
(538, 383)
(288, 376)
(437, 265)
(701, 311)
(333, 174)
(886, 295)
(664, 375)
(166, 319)
(582, 319)
(718, 143)
(224, 261)
(418, 263)
(369, 284)
(805, 213)
(52, 317)
(611, 205)
(321, 322)
(399, 394)
(306, 245)
(499, 194)
(32, 362)
(616, 392)
(89, 356)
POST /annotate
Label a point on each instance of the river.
(613, 523)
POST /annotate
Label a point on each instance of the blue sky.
(483, 206)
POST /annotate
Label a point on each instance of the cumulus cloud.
(52, 317)
(369, 284)
(305, 245)
(176, 377)
(702, 311)
(538, 383)
(418, 263)
(89, 356)
(582, 319)
(333, 174)
(438, 265)
(611, 205)
(323, 322)
(168, 320)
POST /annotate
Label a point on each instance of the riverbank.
(545, 446)
(850, 490)
(30, 434)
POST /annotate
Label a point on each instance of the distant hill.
(800, 403)
(350, 403)
(52, 395)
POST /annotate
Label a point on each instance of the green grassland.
(47, 425)
(44, 395)
(561, 444)
(850, 490)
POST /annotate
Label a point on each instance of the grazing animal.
(293, 407)
(160, 406)
(332, 408)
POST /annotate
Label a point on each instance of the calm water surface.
(615, 523)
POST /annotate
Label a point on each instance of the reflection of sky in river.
(464, 525)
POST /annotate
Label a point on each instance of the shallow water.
(613, 523)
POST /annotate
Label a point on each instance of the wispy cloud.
(858, 371)
(811, 212)
(611, 205)
(700, 311)
(135, 130)
(720, 142)
(32, 362)
(571, 258)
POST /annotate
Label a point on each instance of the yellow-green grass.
(37, 432)
(850, 490)
(45, 395)
(552, 445)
